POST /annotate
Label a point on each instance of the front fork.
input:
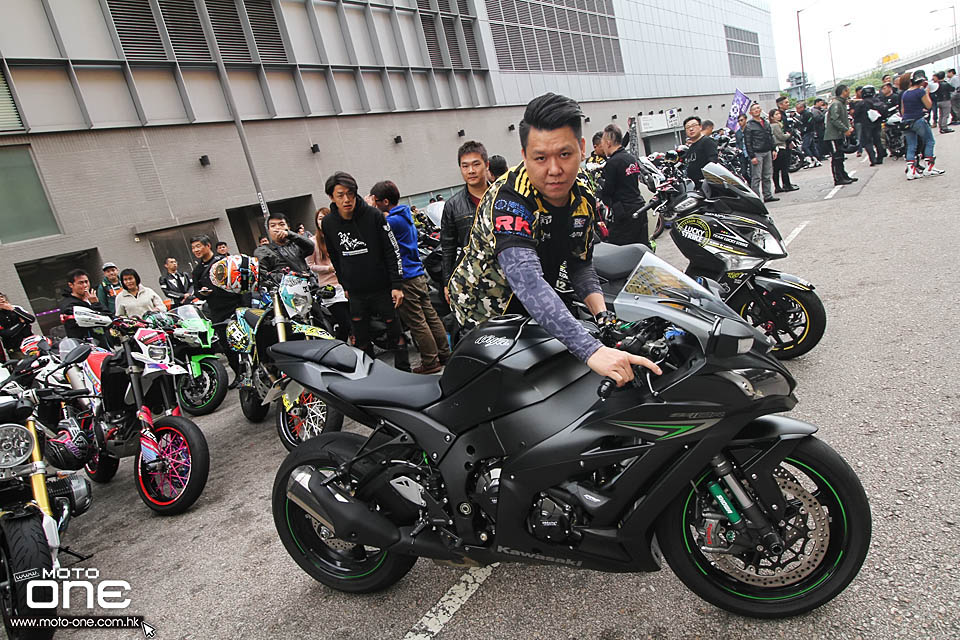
(769, 538)
(38, 482)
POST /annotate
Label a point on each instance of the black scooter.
(520, 453)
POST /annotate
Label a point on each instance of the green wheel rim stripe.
(686, 537)
(216, 387)
(383, 554)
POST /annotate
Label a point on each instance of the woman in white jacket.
(136, 300)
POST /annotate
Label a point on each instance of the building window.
(555, 35)
(24, 210)
(9, 115)
(743, 51)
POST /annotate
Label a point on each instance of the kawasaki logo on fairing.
(536, 556)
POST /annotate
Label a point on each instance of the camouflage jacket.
(478, 287)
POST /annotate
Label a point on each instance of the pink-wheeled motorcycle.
(135, 413)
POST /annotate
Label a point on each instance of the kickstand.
(80, 557)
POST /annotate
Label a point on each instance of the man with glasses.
(703, 149)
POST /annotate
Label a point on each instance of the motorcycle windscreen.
(656, 288)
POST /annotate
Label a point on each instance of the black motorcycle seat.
(388, 386)
(615, 262)
(330, 353)
(252, 317)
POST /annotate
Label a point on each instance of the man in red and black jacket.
(367, 260)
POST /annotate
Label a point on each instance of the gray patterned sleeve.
(521, 266)
(583, 277)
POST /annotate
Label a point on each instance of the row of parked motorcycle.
(78, 408)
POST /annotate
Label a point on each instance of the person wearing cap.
(110, 287)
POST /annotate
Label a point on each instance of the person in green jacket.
(837, 129)
(110, 287)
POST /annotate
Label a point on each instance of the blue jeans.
(919, 129)
(810, 146)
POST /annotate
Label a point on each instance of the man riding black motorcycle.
(286, 248)
(530, 221)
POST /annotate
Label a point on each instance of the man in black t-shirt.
(702, 150)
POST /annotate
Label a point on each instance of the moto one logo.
(493, 341)
(57, 586)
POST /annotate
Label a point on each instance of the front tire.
(826, 526)
(252, 405)
(336, 563)
(798, 323)
(102, 467)
(307, 418)
(24, 548)
(204, 394)
(174, 488)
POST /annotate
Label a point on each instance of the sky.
(877, 28)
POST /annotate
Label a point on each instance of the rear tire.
(102, 467)
(204, 394)
(335, 563)
(24, 548)
(307, 418)
(175, 489)
(831, 551)
(252, 406)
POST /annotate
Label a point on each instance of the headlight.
(766, 241)
(16, 445)
(300, 304)
(159, 353)
(741, 263)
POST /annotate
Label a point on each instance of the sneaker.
(911, 171)
(771, 199)
(427, 369)
(792, 187)
(932, 171)
(946, 130)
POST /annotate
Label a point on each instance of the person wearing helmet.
(912, 103)
(868, 115)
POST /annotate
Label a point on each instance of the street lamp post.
(953, 10)
(830, 46)
(803, 75)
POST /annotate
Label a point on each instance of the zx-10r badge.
(493, 341)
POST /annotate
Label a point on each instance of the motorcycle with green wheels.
(204, 389)
(287, 315)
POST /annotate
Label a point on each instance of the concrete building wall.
(116, 129)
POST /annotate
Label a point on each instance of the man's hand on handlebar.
(618, 365)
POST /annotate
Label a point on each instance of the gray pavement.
(882, 386)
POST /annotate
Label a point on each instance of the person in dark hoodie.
(366, 257)
(416, 311)
(79, 294)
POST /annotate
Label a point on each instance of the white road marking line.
(456, 596)
(795, 233)
(833, 192)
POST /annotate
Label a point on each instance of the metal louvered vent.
(473, 50)
(555, 35)
(263, 22)
(444, 5)
(424, 5)
(186, 34)
(433, 41)
(138, 32)
(464, 7)
(9, 116)
(453, 45)
(229, 30)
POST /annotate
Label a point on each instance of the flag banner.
(740, 105)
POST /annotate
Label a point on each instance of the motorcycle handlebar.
(606, 388)
(642, 210)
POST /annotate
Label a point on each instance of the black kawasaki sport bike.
(519, 452)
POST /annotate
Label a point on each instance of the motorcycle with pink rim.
(136, 414)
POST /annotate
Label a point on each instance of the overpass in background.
(939, 51)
